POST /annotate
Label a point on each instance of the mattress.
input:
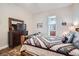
(39, 51)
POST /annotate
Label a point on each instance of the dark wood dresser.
(14, 39)
(14, 34)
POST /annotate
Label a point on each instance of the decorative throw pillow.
(69, 38)
(64, 39)
(76, 40)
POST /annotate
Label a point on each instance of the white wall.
(64, 13)
(10, 10)
(76, 12)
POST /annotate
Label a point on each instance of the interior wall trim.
(3, 47)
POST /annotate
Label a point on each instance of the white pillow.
(69, 37)
(76, 40)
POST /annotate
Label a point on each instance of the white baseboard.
(3, 47)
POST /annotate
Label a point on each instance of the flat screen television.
(21, 27)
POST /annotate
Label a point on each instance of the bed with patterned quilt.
(38, 45)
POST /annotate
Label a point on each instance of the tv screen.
(21, 27)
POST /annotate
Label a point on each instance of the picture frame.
(39, 25)
(64, 23)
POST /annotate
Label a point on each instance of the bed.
(47, 49)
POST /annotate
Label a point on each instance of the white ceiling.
(41, 7)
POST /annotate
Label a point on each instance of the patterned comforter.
(63, 48)
(41, 42)
(66, 49)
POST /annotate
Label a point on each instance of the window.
(52, 26)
